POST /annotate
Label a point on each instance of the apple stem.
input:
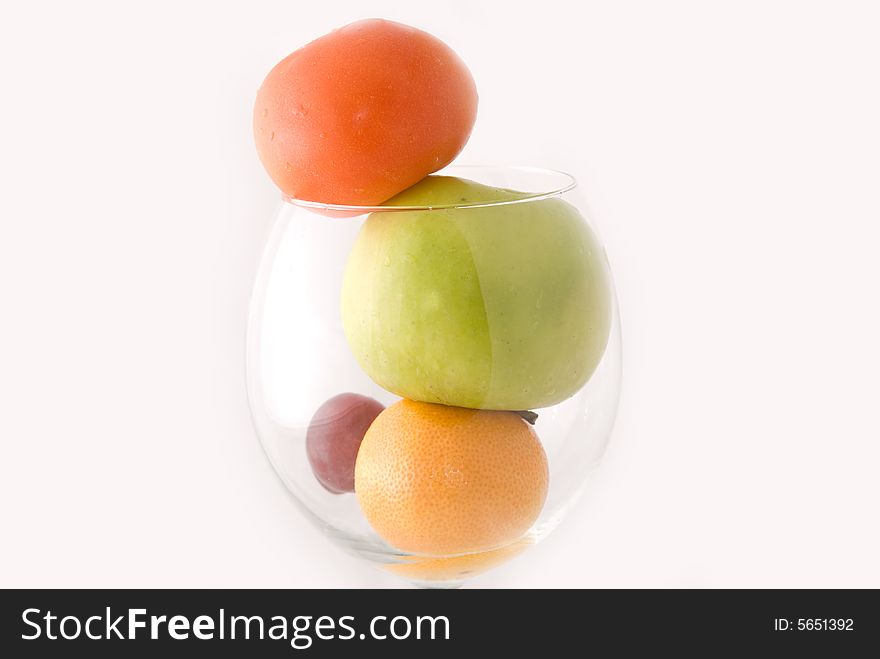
(528, 415)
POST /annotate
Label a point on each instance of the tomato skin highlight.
(362, 113)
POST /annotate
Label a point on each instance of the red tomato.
(363, 113)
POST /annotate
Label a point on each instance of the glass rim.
(567, 183)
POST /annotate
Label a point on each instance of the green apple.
(505, 306)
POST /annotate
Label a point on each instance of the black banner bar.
(289, 623)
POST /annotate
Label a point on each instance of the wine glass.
(301, 351)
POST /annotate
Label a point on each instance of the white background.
(731, 155)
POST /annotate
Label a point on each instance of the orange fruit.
(442, 481)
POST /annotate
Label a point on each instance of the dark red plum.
(334, 437)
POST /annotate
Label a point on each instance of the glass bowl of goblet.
(478, 310)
